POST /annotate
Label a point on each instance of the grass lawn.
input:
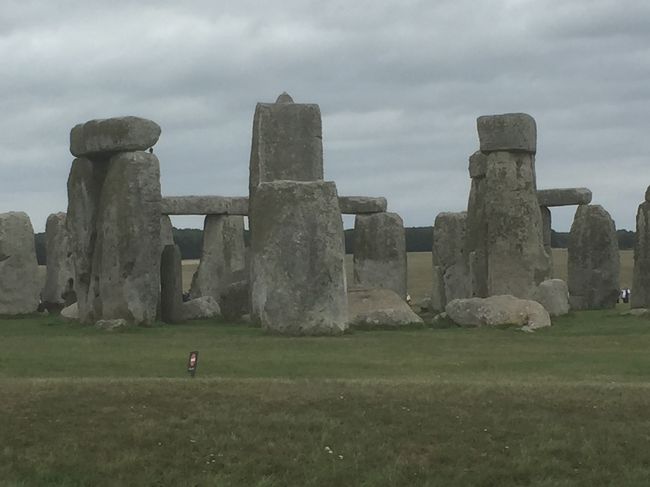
(565, 406)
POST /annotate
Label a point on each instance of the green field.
(565, 406)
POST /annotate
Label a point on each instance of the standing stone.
(516, 260)
(128, 228)
(223, 256)
(84, 189)
(476, 226)
(59, 281)
(298, 277)
(19, 281)
(380, 252)
(171, 285)
(451, 279)
(640, 297)
(287, 142)
(593, 259)
(166, 232)
(546, 234)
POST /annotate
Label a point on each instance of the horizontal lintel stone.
(357, 205)
(205, 205)
(111, 135)
(238, 205)
(564, 197)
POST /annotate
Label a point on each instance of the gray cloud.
(399, 83)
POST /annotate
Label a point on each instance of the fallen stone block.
(553, 294)
(205, 307)
(498, 311)
(379, 308)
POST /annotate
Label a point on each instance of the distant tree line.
(418, 239)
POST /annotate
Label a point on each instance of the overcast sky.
(399, 83)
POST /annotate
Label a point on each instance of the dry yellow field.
(419, 270)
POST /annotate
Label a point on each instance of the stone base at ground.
(112, 325)
(553, 294)
(298, 282)
(379, 308)
(70, 313)
(498, 310)
(235, 301)
(202, 308)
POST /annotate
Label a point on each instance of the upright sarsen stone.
(593, 259)
(641, 281)
(223, 256)
(125, 266)
(19, 282)
(380, 252)
(516, 259)
(451, 279)
(59, 281)
(298, 278)
(171, 285)
(287, 143)
(84, 190)
(476, 231)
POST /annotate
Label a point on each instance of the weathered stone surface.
(238, 205)
(166, 232)
(222, 256)
(593, 259)
(84, 189)
(647, 194)
(171, 285)
(452, 279)
(205, 205)
(380, 252)
(112, 325)
(476, 226)
(110, 135)
(20, 285)
(235, 301)
(70, 313)
(516, 259)
(547, 221)
(298, 277)
(498, 310)
(287, 143)
(510, 132)
(640, 297)
(59, 281)
(563, 197)
(477, 165)
(379, 308)
(128, 228)
(355, 205)
(202, 308)
(553, 294)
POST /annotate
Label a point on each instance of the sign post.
(192, 363)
